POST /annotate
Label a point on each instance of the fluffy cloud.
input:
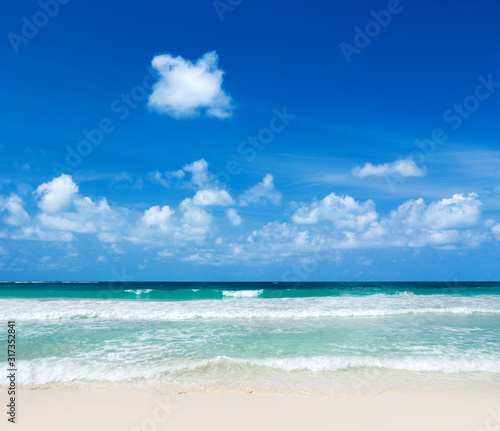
(199, 173)
(402, 167)
(212, 197)
(17, 215)
(187, 89)
(196, 229)
(64, 212)
(193, 215)
(262, 192)
(451, 222)
(160, 217)
(199, 176)
(344, 212)
(87, 217)
(56, 195)
(194, 219)
(454, 213)
(447, 222)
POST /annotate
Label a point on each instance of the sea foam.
(246, 308)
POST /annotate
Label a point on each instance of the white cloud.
(160, 217)
(403, 167)
(167, 179)
(87, 217)
(192, 221)
(276, 242)
(100, 213)
(447, 222)
(57, 195)
(233, 216)
(451, 222)
(157, 177)
(193, 215)
(199, 173)
(198, 225)
(199, 176)
(159, 224)
(187, 89)
(69, 223)
(457, 212)
(17, 215)
(212, 197)
(37, 234)
(64, 212)
(344, 212)
(262, 192)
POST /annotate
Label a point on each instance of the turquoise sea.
(322, 338)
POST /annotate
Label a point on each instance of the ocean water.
(322, 338)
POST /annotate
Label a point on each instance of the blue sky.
(250, 140)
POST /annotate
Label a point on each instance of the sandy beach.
(119, 410)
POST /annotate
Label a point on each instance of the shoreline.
(436, 388)
(128, 409)
(341, 383)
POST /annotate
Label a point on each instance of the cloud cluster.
(336, 223)
(186, 89)
(195, 217)
(343, 212)
(207, 227)
(454, 213)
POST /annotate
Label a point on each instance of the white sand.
(120, 410)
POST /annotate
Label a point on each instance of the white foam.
(56, 370)
(139, 291)
(246, 308)
(242, 293)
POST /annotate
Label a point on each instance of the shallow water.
(321, 337)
